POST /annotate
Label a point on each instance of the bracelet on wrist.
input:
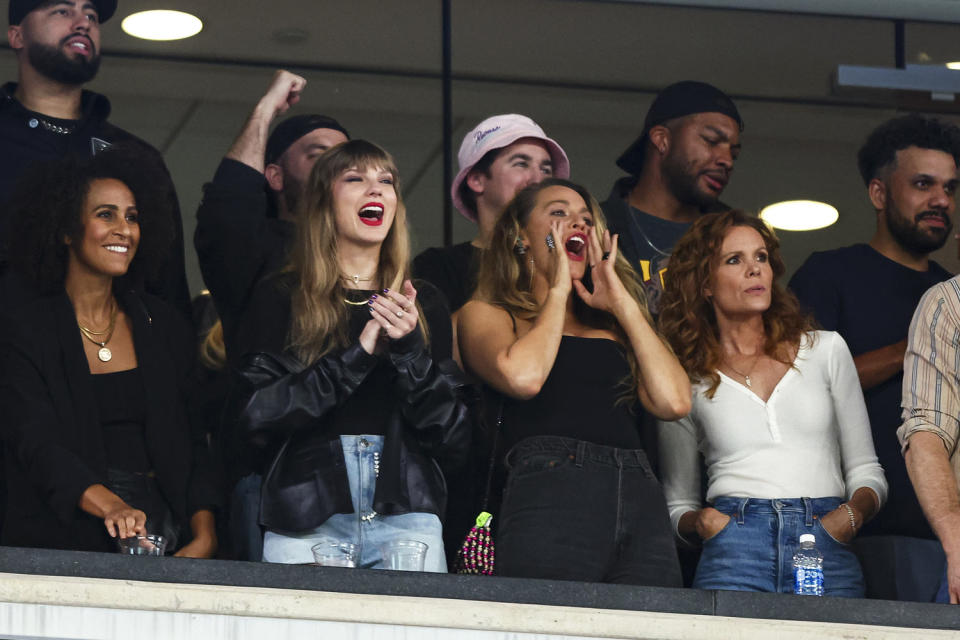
(853, 518)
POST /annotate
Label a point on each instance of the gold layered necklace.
(104, 354)
(356, 280)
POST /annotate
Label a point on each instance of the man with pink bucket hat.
(500, 156)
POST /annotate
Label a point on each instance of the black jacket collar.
(93, 106)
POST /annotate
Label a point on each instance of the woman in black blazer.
(96, 440)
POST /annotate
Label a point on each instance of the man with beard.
(678, 166)
(867, 293)
(47, 114)
(245, 219)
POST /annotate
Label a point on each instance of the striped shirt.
(931, 369)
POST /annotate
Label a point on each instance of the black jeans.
(573, 510)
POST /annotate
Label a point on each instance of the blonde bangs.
(319, 321)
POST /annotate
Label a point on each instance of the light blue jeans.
(364, 527)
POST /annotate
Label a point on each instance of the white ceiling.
(586, 71)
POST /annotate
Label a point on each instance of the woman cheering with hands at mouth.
(559, 326)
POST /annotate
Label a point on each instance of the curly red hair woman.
(777, 414)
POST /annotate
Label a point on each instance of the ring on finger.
(399, 314)
(606, 254)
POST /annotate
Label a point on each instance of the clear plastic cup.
(143, 545)
(404, 555)
(331, 552)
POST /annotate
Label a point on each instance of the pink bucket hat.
(497, 132)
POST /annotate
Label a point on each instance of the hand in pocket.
(710, 522)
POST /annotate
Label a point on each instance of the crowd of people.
(653, 405)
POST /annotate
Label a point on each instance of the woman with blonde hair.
(777, 414)
(559, 327)
(343, 389)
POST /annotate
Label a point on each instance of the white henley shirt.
(810, 439)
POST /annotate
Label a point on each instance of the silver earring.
(518, 247)
(551, 244)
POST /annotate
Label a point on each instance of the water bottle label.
(807, 581)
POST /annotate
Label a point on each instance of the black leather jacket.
(283, 407)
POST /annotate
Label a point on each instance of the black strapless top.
(581, 398)
(121, 402)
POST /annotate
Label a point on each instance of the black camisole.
(121, 403)
(581, 398)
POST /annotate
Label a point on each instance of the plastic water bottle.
(808, 568)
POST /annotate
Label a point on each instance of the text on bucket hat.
(497, 132)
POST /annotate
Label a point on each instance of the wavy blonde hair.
(505, 278)
(319, 318)
(687, 317)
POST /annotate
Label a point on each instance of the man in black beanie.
(678, 166)
(47, 114)
(245, 219)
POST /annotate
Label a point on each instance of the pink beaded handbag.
(476, 553)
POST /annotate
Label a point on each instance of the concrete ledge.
(33, 577)
(88, 595)
(333, 579)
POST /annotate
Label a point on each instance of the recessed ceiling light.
(800, 215)
(954, 65)
(161, 24)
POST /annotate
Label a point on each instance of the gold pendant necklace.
(104, 354)
(356, 279)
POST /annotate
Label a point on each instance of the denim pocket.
(818, 525)
(727, 527)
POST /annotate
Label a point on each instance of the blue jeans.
(364, 527)
(754, 551)
(574, 510)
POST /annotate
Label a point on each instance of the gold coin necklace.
(104, 354)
